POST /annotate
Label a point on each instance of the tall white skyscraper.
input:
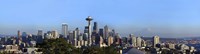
(156, 40)
(133, 40)
(139, 41)
(75, 35)
(75, 38)
(64, 29)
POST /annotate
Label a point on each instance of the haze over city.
(169, 18)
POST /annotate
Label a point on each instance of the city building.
(25, 43)
(64, 29)
(12, 49)
(31, 51)
(95, 28)
(156, 40)
(139, 41)
(86, 29)
(55, 34)
(110, 40)
(106, 32)
(117, 39)
(77, 32)
(133, 40)
(19, 37)
(51, 35)
(113, 32)
(40, 36)
(71, 36)
(85, 36)
(75, 38)
(143, 43)
(48, 35)
(171, 46)
(101, 32)
(40, 33)
(80, 38)
(101, 42)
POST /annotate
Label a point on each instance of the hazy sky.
(166, 18)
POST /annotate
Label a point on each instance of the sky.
(165, 18)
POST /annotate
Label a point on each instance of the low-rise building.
(9, 48)
(31, 51)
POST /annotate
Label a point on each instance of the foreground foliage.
(60, 46)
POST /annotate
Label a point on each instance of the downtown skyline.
(178, 19)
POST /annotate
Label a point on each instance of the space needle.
(89, 19)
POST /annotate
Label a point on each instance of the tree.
(98, 50)
(110, 50)
(60, 46)
(56, 46)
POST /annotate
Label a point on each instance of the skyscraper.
(85, 36)
(97, 39)
(55, 34)
(80, 38)
(95, 28)
(75, 38)
(113, 32)
(77, 31)
(117, 39)
(40, 36)
(95, 33)
(40, 33)
(86, 29)
(106, 32)
(71, 36)
(75, 35)
(19, 37)
(110, 40)
(101, 32)
(48, 35)
(89, 19)
(64, 29)
(101, 40)
(133, 40)
(139, 41)
(143, 43)
(156, 40)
